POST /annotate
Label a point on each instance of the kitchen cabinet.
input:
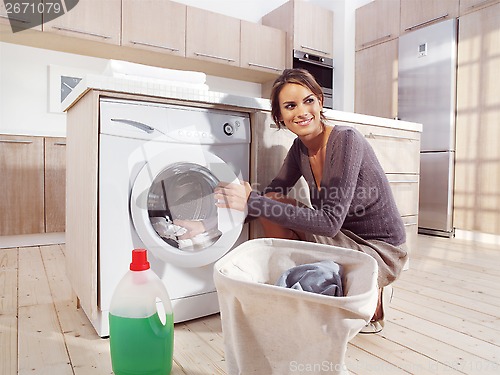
(213, 37)
(309, 28)
(262, 47)
(160, 27)
(477, 156)
(467, 6)
(376, 80)
(377, 22)
(420, 13)
(95, 20)
(55, 184)
(22, 185)
(21, 15)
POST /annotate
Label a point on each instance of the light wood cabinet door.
(420, 13)
(213, 37)
(405, 190)
(467, 6)
(377, 22)
(397, 150)
(22, 15)
(156, 25)
(55, 184)
(477, 156)
(313, 29)
(376, 80)
(21, 184)
(95, 20)
(262, 47)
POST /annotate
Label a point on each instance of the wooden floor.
(444, 319)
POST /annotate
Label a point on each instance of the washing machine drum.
(174, 213)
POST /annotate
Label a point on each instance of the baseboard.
(487, 238)
(28, 240)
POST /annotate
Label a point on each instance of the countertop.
(201, 94)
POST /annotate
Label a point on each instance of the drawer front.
(405, 191)
(397, 150)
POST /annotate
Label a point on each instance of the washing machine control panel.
(173, 123)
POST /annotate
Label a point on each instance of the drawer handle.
(427, 22)
(403, 181)
(264, 66)
(315, 49)
(154, 45)
(409, 224)
(13, 19)
(481, 4)
(60, 144)
(375, 135)
(81, 32)
(214, 57)
(17, 141)
(375, 41)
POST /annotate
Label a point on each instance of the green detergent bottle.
(141, 341)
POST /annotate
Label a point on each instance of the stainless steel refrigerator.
(427, 95)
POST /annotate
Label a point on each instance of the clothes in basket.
(269, 329)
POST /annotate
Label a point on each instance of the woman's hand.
(232, 195)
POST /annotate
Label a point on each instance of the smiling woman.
(340, 168)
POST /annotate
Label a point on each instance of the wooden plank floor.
(444, 319)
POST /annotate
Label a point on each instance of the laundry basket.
(275, 330)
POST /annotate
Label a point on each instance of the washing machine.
(158, 166)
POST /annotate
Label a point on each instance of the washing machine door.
(173, 208)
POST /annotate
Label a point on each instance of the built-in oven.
(322, 70)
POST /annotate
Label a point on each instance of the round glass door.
(174, 213)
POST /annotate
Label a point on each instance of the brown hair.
(298, 76)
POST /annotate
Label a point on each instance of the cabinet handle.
(375, 135)
(314, 49)
(403, 181)
(427, 22)
(13, 19)
(214, 57)
(264, 66)
(375, 41)
(80, 32)
(409, 224)
(155, 45)
(481, 4)
(17, 141)
(60, 144)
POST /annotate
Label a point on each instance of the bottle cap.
(139, 260)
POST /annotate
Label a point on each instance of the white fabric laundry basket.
(275, 330)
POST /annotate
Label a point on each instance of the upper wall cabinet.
(467, 6)
(420, 13)
(212, 36)
(12, 13)
(377, 22)
(309, 27)
(262, 47)
(155, 25)
(95, 20)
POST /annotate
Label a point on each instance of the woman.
(352, 203)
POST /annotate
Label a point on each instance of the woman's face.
(300, 110)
